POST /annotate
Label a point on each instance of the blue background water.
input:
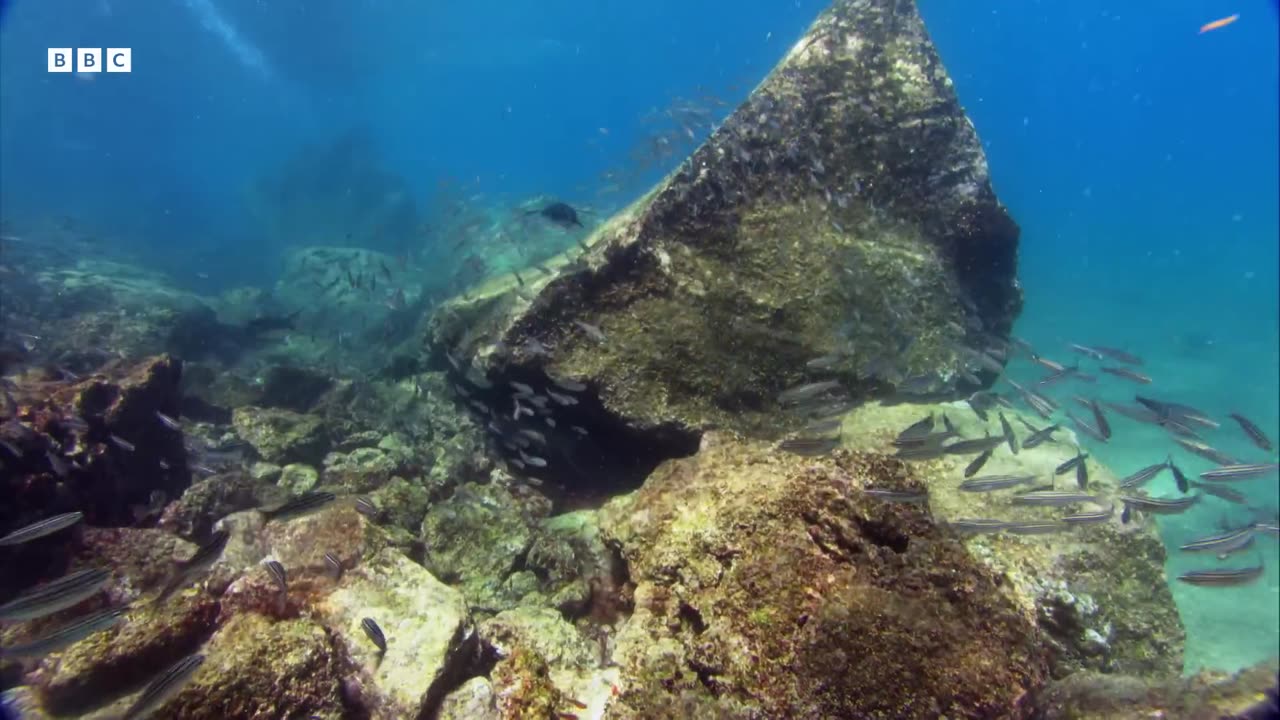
(1139, 156)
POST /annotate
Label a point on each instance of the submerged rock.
(845, 208)
(769, 585)
(281, 436)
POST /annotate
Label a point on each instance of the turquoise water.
(1138, 156)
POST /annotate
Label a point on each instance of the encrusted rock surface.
(769, 585)
(845, 207)
(1098, 591)
(282, 436)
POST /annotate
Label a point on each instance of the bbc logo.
(91, 60)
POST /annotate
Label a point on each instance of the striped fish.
(1053, 498)
(278, 574)
(976, 526)
(1100, 419)
(1221, 491)
(65, 636)
(977, 463)
(67, 591)
(1127, 374)
(1007, 430)
(1141, 414)
(897, 496)
(1085, 427)
(45, 527)
(333, 565)
(1252, 430)
(1040, 436)
(1159, 506)
(1143, 476)
(1089, 518)
(366, 507)
(374, 633)
(976, 445)
(1224, 577)
(196, 565)
(1239, 472)
(987, 483)
(164, 687)
(301, 505)
(1225, 543)
(1206, 452)
(809, 447)
(1070, 463)
(1036, 527)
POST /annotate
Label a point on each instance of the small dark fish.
(366, 507)
(1221, 491)
(1071, 463)
(67, 591)
(1143, 476)
(949, 426)
(1039, 436)
(1053, 498)
(977, 463)
(1184, 485)
(1253, 431)
(123, 444)
(1044, 527)
(1180, 429)
(591, 331)
(278, 574)
(334, 566)
(1009, 437)
(1126, 515)
(910, 497)
(976, 526)
(1048, 364)
(374, 633)
(1090, 517)
(976, 445)
(1141, 414)
(978, 409)
(1224, 577)
(168, 421)
(1224, 543)
(1082, 476)
(65, 636)
(930, 440)
(989, 483)
(164, 687)
(1239, 472)
(45, 527)
(1117, 355)
(809, 447)
(1100, 420)
(1207, 452)
(300, 505)
(919, 453)
(1159, 506)
(1060, 375)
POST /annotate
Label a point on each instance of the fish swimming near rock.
(55, 595)
(1245, 471)
(1070, 463)
(1007, 430)
(1053, 498)
(977, 526)
(1100, 419)
(1205, 451)
(978, 462)
(808, 391)
(1222, 543)
(1089, 517)
(910, 497)
(66, 635)
(1127, 374)
(333, 566)
(1040, 436)
(989, 483)
(43, 528)
(1117, 355)
(976, 445)
(1159, 506)
(559, 213)
(374, 633)
(1143, 476)
(809, 447)
(303, 504)
(166, 685)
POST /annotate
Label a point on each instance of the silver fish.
(122, 443)
(1036, 527)
(333, 565)
(976, 445)
(1252, 430)
(568, 384)
(977, 463)
(166, 685)
(976, 526)
(1206, 452)
(1239, 472)
(1086, 351)
(809, 446)
(1090, 517)
(1224, 577)
(45, 527)
(168, 421)
(1224, 543)
(1220, 491)
(897, 496)
(65, 636)
(1159, 506)
(1070, 463)
(1117, 355)
(1085, 427)
(1143, 476)
(1039, 436)
(1007, 430)
(808, 391)
(1053, 498)
(67, 591)
(1127, 374)
(301, 505)
(278, 574)
(989, 483)
(591, 331)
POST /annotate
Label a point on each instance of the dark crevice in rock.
(458, 668)
(884, 535)
(706, 676)
(690, 616)
(591, 454)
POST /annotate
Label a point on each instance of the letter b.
(60, 60)
(89, 60)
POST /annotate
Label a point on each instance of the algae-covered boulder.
(297, 478)
(427, 632)
(475, 539)
(1098, 591)
(281, 436)
(844, 210)
(771, 586)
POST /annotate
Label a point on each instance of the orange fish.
(1219, 23)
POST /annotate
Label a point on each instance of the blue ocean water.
(1138, 155)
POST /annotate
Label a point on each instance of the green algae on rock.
(281, 436)
(844, 207)
(768, 585)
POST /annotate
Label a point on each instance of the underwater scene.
(866, 359)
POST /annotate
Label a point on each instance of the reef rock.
(281, 436)
(769, 586)
(1099, 591)
(844, 209)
